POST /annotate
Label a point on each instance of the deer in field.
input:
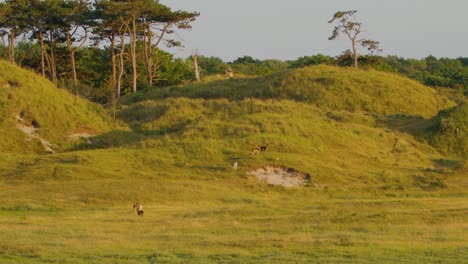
(259, 149)
(234, 166)
(139, 208)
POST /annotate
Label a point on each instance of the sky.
(287, 30)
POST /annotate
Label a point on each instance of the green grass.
(57, 113)
(202, 215)
(378, 192)
(330, 88)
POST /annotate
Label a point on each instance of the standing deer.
(139, 208)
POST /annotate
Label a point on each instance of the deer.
(139, 208)
(259, 149)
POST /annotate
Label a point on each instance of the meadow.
(380, 192)
(229, 219)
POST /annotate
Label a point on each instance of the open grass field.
(197, 218)
(379, 191)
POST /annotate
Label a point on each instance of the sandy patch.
(30, 131)
(26, 129)
(78, 136)
(279, 175)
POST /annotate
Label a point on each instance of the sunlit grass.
(55, 112)
(330, 88)
(228, 222)
(378, 193)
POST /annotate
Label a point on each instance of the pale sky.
(279, 29)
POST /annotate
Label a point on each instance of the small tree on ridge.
(348, 25)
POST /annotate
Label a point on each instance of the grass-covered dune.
(328, 87)
(336, 147)
(29, 100)
(377, 194)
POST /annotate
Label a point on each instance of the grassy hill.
(328, 87)
(336, 147)
(32, 102)
(377, 193)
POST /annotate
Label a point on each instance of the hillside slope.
(30, 104)
(330, 88)
(335, 147)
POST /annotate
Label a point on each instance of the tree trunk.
(53, 66)
(155, 65)
(74, 77)
(43, 50)
(148, 52)
(51, 57)
(133, 36)
(5, 51)
(118, 82)
(48, 61)
(195, 66)
(72, 52)
(11, 47)
(114, 66)
(72, 61)
(114, 76)
(355, 54)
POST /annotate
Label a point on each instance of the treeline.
(105, 48)
(93, 66)
(443, 72)
(101, 43)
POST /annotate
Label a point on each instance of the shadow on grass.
(123, 138)
(116, 138)
(231, 89)
(142, 113)
(411, 124)
(451, 164)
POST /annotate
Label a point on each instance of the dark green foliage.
(250, 66)
(311, 60)
(94, 68)
(172, 71)
(443, 72)
(449, 131)
(59, 30)
(210, 65)
(245, 59)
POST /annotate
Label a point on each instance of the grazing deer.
(259, 149)
(234, 166)
(139, 208)
(255, 151)
(263, 148)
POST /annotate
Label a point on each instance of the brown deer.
(139, 208)
(263, 148)
(255, 151)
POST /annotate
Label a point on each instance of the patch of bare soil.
(31, 132)
(78, 136)
(280, 175)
